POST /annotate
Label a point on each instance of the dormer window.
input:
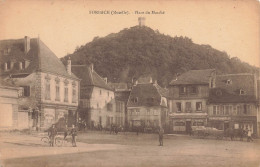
(7, 66)
(229, 81)
(242, 92)
(22, 65)
(135, 99)
(182, 90)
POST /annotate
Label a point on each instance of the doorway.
(226, 125)
(188, 127)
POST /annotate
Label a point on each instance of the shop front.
(220, 122)
(245, 122)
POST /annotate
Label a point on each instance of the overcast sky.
(227, 25)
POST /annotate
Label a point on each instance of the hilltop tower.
(141, 21)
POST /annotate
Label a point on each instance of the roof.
(119, 86)
(39, 58)
(229, 91)
(4, 83)
(194, 77)
(89, 77)
(146, 95)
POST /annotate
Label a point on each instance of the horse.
(234, 133)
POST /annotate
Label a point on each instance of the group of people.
(53, 132)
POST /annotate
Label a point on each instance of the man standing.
(161, 132)
(52, 133)
(249, 135)
(74, 135)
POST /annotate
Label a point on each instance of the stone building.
(97, 100)
(188, 98)
(49, 89)
(9, 107)
(147, 105)
(234, 102)
(122, 92)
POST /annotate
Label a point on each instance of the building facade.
(234, 102)
(50, 92)
(9, 107)
(188, 98)
(147, 106)
(97, 99)
(122, 92)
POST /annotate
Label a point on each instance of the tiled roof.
(89, 77)
(39, 58)
(146, 95)
(118, 86)
(4, 83)
(194, 77)
(228, 88)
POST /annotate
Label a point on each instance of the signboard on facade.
(219, 118)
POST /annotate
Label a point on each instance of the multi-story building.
(9, 106)
(189, 94)
(122, 92)
(234, 102)
(49, 89)
(97, 100)
(147, 105)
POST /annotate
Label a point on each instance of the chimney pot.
(69, 66)
(92, 67)
(26, 44)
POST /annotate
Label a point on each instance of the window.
(227, 110)
(109, 107)
(239, 110)
(215, 110)
(108, 93)
(179, 124)
(235, 110)
(193, 90)
(247, 109)
(74, 94)
(47, 89)
(66, 93)
(182, 90)
(57, 91)
(148, 111)
(25, 91)
(137, 112)
(134, 100)
(242, 92)
(97, 105)
(198, 106)
(188, 106)
(178, 105)
(229, 81)
(100, 92)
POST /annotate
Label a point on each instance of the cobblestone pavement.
(103, 149)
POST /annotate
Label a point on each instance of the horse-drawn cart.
(203, 132)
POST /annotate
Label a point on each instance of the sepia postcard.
(129, 83)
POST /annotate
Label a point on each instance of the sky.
(232, 26)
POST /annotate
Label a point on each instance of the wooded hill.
(141, 51)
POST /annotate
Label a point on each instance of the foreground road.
(99, 149)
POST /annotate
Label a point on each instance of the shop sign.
(219, 118)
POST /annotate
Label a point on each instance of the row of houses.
(37, 90)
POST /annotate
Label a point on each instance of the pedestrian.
(65, 132)
(249, 135)
(52, 133)
(73, 133)
(161, 132)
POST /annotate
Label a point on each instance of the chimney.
(20, 65)
(5, 66)
(68, 66)
(105, 79)
(26, 44)
(141, 21)
(92, 67)
(150, 79)
(136, 82)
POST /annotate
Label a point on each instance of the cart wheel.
(45, 140)
(58, 141)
